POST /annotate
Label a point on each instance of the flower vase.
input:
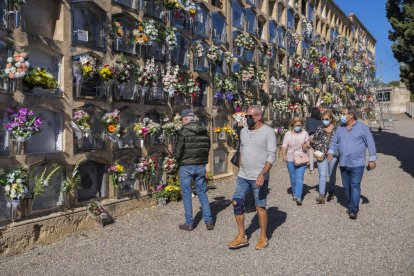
(141, 143)
(144, 92)
(121, 87)
(162, 201)
(14, 205)
(113, 137)
(120, 144)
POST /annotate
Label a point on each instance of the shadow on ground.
(398, 146)
(219, 204)
(276, 218)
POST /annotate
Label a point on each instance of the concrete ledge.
(22, 235)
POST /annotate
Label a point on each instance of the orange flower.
(140, 28)
(111, 128)
(145, 37)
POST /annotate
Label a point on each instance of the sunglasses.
(250, 116)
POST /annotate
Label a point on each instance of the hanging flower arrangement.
(198, 49)
(118, 29)
(327, 98)
(17, 65)
(214, 54)
(147, 167)
(193, 86)
(15, 183)
(151, 126)
(170, 79)
(169, 165)
(297, 85)
(172, 4)
(87, 67)
(170, 38)
(123, 70)
(245, 41)
(229, 58)
(112, 122)
(145, 32)
(295, 106)
(246, 73)
(82, 120)
(314, 53)
(237, 104)
(149, 74)
(281, 106)
(23, 124)
(248, 99)
(116, 170)
(171, 128)
(39, 77)
(280, 83)
(261, 74)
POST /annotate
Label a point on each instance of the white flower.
(19, 181)
(7, 71)
(21, 59)
(7, 188)
(27, 64)
(9, 59)
(18, 64)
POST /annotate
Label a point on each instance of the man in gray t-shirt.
(257, 155)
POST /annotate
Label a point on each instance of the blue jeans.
(351, 180)
(327, 169)
(188, 173)
(243, 186)
(296, 175)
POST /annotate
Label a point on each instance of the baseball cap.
(187, 112)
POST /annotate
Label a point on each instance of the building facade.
(263, 49)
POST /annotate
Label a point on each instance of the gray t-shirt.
(257, 147)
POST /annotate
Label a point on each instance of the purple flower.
(229, 96)
(218, 96)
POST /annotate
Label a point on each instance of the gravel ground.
(309, 239)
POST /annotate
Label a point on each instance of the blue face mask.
(343, 119)
(297, 129)
(326, 123)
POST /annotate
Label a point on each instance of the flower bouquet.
(245, 41)
(116, 170)
(144, 33)
(15, 183)
(173, 4)
(214, 54)
(22, 124)
(39, 77)
(170, 78)
(169, 165)
(246, 73)
(107, 73)
(229, 58)
(112, 123)
(141, 131)
(149, 74)
(192, 87)
(118, 29)
(17, 65)
(281, 106)
(170, 38)
(261, 74)
(81, 124)
(297, 85)
(145, 168)
(123, 70)
(198, 49)
(87, 67)
(151, 126)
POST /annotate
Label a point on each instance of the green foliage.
(72, 181)
(394, 83)
(400, 13)
(39, 77)
(40, 182)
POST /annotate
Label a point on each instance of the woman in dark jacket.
(311, 124)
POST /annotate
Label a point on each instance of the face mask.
(250, 123)
(343, 119)
(297, 129)
(326, 123)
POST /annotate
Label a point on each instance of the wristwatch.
(265, 174)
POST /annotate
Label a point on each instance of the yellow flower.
(217, 130)
(87, 69)
(119, 168)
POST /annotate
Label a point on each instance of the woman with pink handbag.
(294, 154)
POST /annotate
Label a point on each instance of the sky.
(372, 14)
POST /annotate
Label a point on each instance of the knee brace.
(238, 206)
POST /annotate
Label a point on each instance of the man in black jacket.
(191, 152)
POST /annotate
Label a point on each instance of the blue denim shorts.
(243, 186)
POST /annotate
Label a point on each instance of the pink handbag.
(300, 158)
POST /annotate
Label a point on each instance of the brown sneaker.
(238, 242)
(330, 197)
(186, 227)
(320, 199)
(210, 226)
(262, 243)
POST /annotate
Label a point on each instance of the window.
(220, 121)
(52, 196)
(178, 19)
(51, 63)
(155, 95)
(219, 34)
(133, 4)
(281, 33)
(260, 28)
(88, 24)
(129, 139)
(156, 50)
(290, 19)
(201, 63)
(304, 5)
(383, 96)
(180, 54)
(280, 15)
(93, 87)
(40, 17)
(202, 99)
(5, 52)
(154, 8)
(93, 180)
(333, 34)
(95, 139)
(311, 10)
(4, 135)
(273, 36)
(219, 161)
(250, 55)
(251, 22)
(237, 51)
(217, 3)
(50, 137)
(305, 49)
(202, 22)
(4, 18)
(127, 91)
(123, 44)
(237, 14)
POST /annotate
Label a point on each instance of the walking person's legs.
(311, 161)
(260, 198)
(201, 189)
(332, 166)
(292, 177)
(355, 188)
(323, 173)
(185, 181)
(300, 173)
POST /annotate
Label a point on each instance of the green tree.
(394, 83)
(400, 13)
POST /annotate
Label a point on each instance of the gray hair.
(352, 111)
(256, 108)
